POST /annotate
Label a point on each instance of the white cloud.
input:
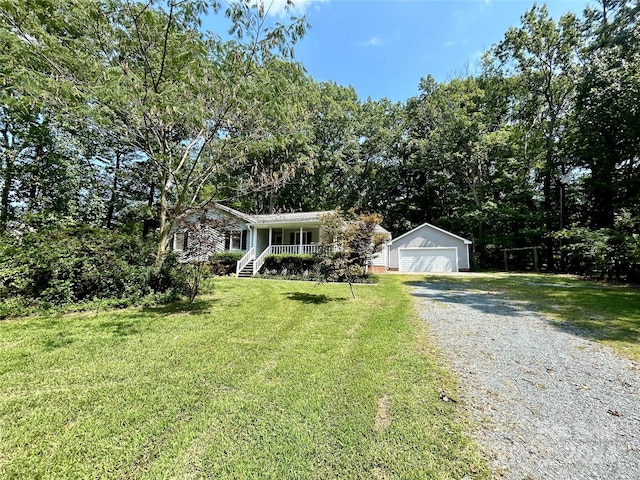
(372, 42)
(279, 7)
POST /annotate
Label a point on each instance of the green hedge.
(286, 264)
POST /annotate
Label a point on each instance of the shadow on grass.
(581, 308)
(312, 298)
(120, 328)
(198, 307)
(58, 341)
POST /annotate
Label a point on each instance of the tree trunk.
(563, 213)
(549, 219)
(6, 189)
(602, 185)
(548, 192)
(35, 181)
(114, 187)
(165, 226)
(146, 222)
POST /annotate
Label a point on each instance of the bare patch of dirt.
(382, 415)
(381, 473)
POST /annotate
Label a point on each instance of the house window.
(238, 240)
(180, 241)
(307, 238)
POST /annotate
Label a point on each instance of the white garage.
(428, 248)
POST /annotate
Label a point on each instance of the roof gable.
(381, 230)
(235, 213)
(464, 240)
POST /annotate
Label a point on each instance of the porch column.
(300, 249)
(270, 235)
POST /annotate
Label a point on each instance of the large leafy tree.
(603, 239)
(331, 128)
(188, 101)
(543, 55)
(463, 168)
(38, 166)
(352, 148)
(607, 120)
(41, 169)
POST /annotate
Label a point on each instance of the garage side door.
(437, 260)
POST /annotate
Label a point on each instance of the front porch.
(274, 240)
(250, 265)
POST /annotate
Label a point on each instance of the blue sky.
(384, 47)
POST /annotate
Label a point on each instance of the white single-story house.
(258, 235)
(428, 248)
(424, 249)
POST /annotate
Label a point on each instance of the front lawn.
(260, 379)
(606, 313)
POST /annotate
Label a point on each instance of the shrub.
(285, 264)
(607, 253)
(224, 263)
(79, 264)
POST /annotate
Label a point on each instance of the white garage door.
(427, 260)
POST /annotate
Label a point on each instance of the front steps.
(247, 271)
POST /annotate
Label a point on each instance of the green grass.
(260, 379)
(606, 313)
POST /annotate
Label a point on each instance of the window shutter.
(185, 243)
(243, 236)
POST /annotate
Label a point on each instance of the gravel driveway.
(546, 402)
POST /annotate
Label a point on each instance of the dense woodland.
(118, 116)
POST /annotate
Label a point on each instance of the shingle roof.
(298, 217)
(284, 218)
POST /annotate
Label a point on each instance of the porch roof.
(288, 218)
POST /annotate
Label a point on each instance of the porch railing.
(244, 261)
(296, 249)
(259, 262)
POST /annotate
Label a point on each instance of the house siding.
(380, 259)
(220, 240)
(262, 240)
(219, 245)
(428, 237)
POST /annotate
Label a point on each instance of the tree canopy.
(125, 115)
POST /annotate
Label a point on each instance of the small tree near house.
(351, 241)
(202, 238)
